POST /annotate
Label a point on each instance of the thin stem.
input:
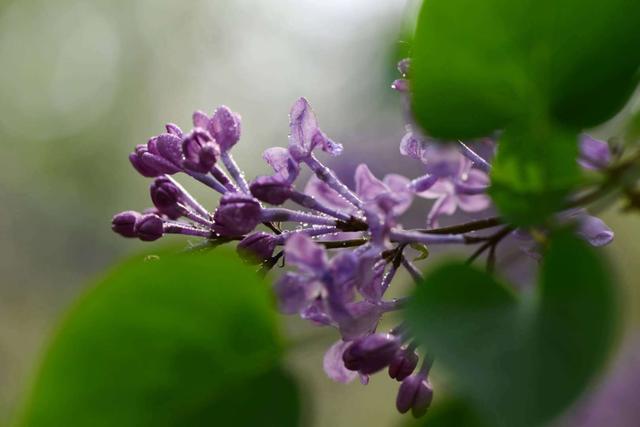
(178, 228)
(339, 244)
(480, 163)
(209, 181)
(413, 270)
(188, 197)
(480, 224)
(283, 214)
(492, 241)
(235, 172)
(327, 176)
(311, 232)
(193, 216)
(309, 202)
(223, 178)
(407, 237)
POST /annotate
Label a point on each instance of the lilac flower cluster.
(344, 245)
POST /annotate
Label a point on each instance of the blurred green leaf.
(519, 360)
(480, 65)
(176, 340)
(533, 172)
(450, 413)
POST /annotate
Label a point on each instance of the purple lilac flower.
(343, 246)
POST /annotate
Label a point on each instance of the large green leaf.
(533, 171)
(480, 65)
(182, 340)
(520, 360)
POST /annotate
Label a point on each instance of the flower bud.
(256, 247)
(594, 153)
(173, 129)
(149, 227)
(371, 353)
(224, 126)
(165, 196)
(237, 214)
(271, 189)
(124, 223)
(403, 364)
(200, 151)
(169, 148)
(415, 393)
(148, 162)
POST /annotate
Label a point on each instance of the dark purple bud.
(200, 151)
(415, 393)
(224, 126)
(124, 223)
(271, 189)
(371, 353)
(403, 364)
(149, 227)
(237, 214)
(256, 247)
(147, 160)
(165, 196)
(169, 148)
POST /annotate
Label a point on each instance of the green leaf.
(450, 413)
(424, 251)
(533, 172)
(478, 66)
(521, 361)
(182, 340)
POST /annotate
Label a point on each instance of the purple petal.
(224, 126)
(316, 312)
(307, 255)
(367, 185)
(294, 292)
(363, 321)
(399, 185)
(443, 160)
(369, 277)
(326, 195)
(170, 147)
(594, 153)
(200, 120)
(412, 146)
(343, 269)
(173, 129)
(303, 127)
(282, 162)
(334, 365)
(305, 134)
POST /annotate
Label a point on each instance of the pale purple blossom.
(342, 246)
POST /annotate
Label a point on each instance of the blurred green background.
(82, 82)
